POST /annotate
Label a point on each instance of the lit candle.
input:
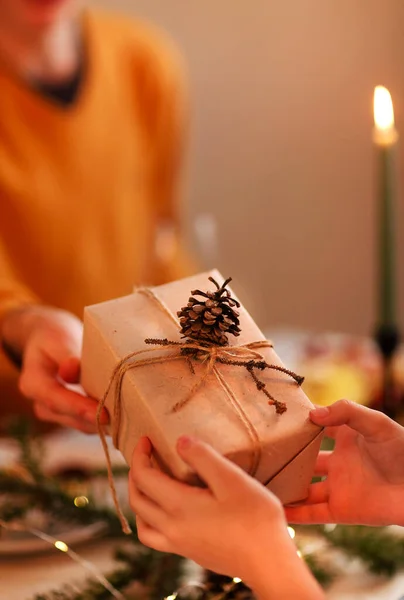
(385, 138)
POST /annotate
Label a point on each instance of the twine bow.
(245, 356)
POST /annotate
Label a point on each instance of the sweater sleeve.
(13, 293)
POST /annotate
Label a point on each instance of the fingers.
(370, 423)
(48, 391)
(144, 451)
(45, 414)
(148, 510)
(50, 358)
(69, 370)
(220, 475)
(322, 464)
(157, 486)
(150, 537)
(315, 508)
(53, 396)
(39, 383)
(309, 514)
(318, 493)
(331, 432)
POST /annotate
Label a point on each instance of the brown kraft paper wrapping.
(289, 442)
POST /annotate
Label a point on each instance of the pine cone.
(210, 320)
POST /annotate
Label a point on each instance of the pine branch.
(141, 567)
(9, 511)
(53, 500)
(222, 587)
(165, 576)
(93, 590)
(31, 449)
(117, 471)
(323, 575)
(381, 551)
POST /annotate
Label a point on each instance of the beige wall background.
(281, 156)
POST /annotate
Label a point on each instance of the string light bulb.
(81, 501)
(61, 546)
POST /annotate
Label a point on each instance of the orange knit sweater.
(84, 188)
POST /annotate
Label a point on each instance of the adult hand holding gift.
(47, 342)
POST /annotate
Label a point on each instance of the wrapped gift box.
(288, 442)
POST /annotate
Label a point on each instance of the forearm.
(18, 324)
(15, 328)
(280, 574)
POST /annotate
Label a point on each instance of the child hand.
(235, 526)
(364, 473)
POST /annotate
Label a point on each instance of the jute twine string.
(208, 355)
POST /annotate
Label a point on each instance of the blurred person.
(237, 527)
(92, 111)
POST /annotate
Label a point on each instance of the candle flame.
(383, 108)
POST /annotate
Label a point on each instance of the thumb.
(370, 423)
(69, 369)
(218, 473)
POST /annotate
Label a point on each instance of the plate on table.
(13, 543)
(73, 459)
